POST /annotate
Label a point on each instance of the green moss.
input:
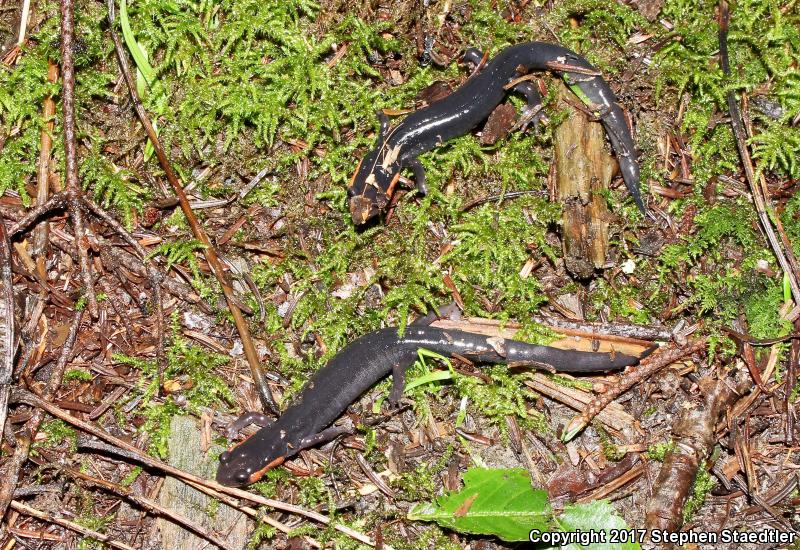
(501, 398)
(425, 536)
(262, 533)
(764, 46)
(194, 368)
(268, 485)
(598, 20)
(660, 450)
(77, 375)
(421, 482)
(312, 491)
(610, 450)
(132, 476)
(703, 485)
(57, 433)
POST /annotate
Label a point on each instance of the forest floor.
(265, 108)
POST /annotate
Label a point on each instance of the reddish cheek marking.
(255, 476)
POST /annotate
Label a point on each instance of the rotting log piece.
(584, 167)
(693, 437)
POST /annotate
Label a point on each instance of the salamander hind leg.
(419, 176)
(474, 57)
(532, 113)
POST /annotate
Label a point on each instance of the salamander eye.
(225, 457)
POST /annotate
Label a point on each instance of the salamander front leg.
(398, 383)
(326, 435)
(419, 176)
(259, 419)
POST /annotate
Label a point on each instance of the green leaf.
(138, 54)
(597, 516)
(498, 502)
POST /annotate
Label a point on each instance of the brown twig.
(71, 525)
(7, 325)
(39, 247)
(11, 474)
(498, 198)
(264, 392)
(649, 366)
(639, 332)
(56, 202)
(123, 448)
(71, 185)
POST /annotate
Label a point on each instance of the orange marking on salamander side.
(390, 190)
(355, 173)
(255, 476)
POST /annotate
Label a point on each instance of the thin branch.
(71, 525)
(265, 394)
(123, 448)
(649, 366)
(72, 185)
(40, 234)
(56, 202)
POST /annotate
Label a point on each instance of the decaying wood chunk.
(185, 453)
(583, 166)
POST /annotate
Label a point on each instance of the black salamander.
(376, 176)
(363, 363)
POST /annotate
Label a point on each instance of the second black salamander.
(375, 178)
(363, 363)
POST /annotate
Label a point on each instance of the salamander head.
(372, 186)
(246, 462)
